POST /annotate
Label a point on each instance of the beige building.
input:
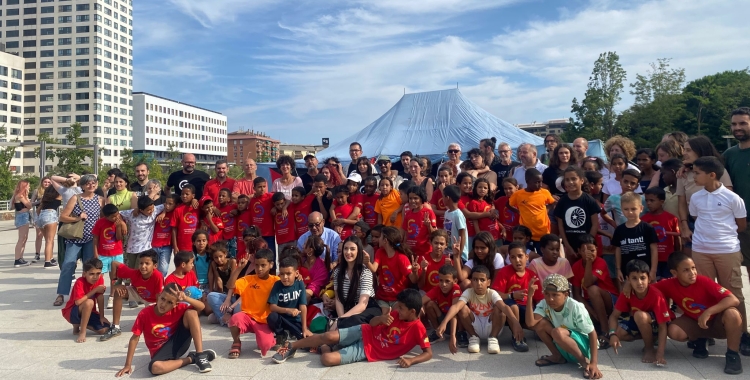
(554, 126)
(11, 106)
(299, 152)
(257, 145)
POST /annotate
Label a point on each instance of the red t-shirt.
(230, 222)
(432, 279)
(108, 245)
(693, 299)
(417, 234)
(356, 200)
(305, 274)
(80, 289)
(212, 188)
(157, 330)
(147, 288)
(463, 202)
(244, 221)
(444, 301)
(285, 231)
(163, 231)
(438, 204)
(653, 302)
(185, 221)
(260, 208)
(507, 281)
(663, 223)
(300, 211)
(393, 274)
(343, 212)
(214, 237)
(485, 224)
(368, 209)
(601, 274)
(189, 279)
(508, 218)
(383, 342)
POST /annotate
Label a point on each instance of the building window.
(64, 41)
(63, 85)
(82, 40)
(29, 21)
(13, 22)
(29, 54)
(65, 8)
(82, 29)
(82, 107)
(65, 63)
(65, 30)
(46, 87)
(82, 18)
(82, 62)
(11, 44)
(64, 19)
(47, 42)
(47, 31)
(29, 43)
(82, 118)
(83, 85)
(61, 52)
(46, 98)
(64, 74)
(63, 97)
(82, 95)
(82, 51)
(46, 109)
(47, 10)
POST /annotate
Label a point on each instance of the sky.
(301, 70)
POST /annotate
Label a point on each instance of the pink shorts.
(263, 334)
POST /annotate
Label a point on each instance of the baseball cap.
(383, 157)
(558, 281)
(355, 177)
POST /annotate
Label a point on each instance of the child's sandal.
(235, 351)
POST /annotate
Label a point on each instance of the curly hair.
(627, 145)
(284, 159)
(671, 148)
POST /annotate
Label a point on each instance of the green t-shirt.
(738, 165)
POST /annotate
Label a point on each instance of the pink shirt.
(318, 276)
(562, 267)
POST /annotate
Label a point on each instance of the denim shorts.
(22, 219)
(353, 348)
(46, 217)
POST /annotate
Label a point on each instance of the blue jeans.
(69, 265)
(215, 300)
(164, 254)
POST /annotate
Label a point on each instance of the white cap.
(355, 177)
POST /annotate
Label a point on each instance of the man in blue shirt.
(316, 227)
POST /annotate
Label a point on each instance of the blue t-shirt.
(290, 297)
(454, 222)
(201, 268)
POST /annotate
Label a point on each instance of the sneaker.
(462, 339)
(111, 333)
(745, 344)
(110, 300)
(492, 346)
(49, 265)
(734, 364)
(54, 262)
(201, 360)
(700, 351)
(37, 258)
(282, 338)
(474, 344)
(132, 304)
(711, 342)
(520, 346)
(281, 357)
(213, 319)
(434, 337)
(21, 263)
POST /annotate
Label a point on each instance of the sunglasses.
(311, 225)
(505, 151)
(454, 151)
(383, 163)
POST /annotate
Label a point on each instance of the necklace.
(119, 198)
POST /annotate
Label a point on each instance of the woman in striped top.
(352, 283)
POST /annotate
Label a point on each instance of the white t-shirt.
(454, 222)
(519, 173)
(480, 305)
(497, 262)
(715, 224)
(613, 187)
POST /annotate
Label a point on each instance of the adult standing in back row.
(188, 175)
(737, 162)
(221, 181)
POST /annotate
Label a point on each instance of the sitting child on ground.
(551, 262)
(438, 301)
(86, 298)
(288, 302)
(512, 281)
(183, 274)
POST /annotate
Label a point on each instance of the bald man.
(316, 226)
(580, 146)
(188, 175)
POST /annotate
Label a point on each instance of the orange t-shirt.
(385, 206)
(254, 294)
(533, 209)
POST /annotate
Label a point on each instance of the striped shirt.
(365, 283)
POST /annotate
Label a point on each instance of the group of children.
(462, 263)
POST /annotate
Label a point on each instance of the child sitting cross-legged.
(438, 301)
(564, 325)
(386, 337)
(649, 314)
(86, 297)
(288, 302)
(168, 327)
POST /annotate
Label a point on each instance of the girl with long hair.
(22, 205)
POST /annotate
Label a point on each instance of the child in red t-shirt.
(512, 282)
(430, 265)
(145, 284)
(212, 221)
(260, 208)
(184, 221)
(592, 284)
(445, 178)
(479, 210)
(649, 315)
(508, 216)
(345, 214)
(355, 196)
(87, 295)
(161, 242)
(108, 232)
(244, 221)
(667, 229)
(167, 328)
(229, 233)
(465, 183)
(183, 274)
(439, 300)
(369, 199)
(386, 337)
(300, 208)
(418, 223)
(394, 266)
(283, 226)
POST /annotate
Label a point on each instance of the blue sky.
(306, 69)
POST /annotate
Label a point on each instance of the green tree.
(173, 161)
(72, 160)
(236, 172)
(7, 183)
(129, 160)
(595, 116)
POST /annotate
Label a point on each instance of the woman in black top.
(22, 205)
(561, 158)
(47, 221)
(352, 284)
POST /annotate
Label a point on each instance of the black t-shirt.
(327, 204)
(549, 178)
(503, 170)
(634, 243)
(179, 179)
(577, 215)
(352, 167)
(137, 188)
(307, 181)
(111, 191)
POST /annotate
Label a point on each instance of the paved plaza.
(37, 343)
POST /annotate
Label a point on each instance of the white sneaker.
(474, 344)
(492, 346)
(109, 301)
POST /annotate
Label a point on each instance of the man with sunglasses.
(384, 164)
(316, 227)
(454, 156)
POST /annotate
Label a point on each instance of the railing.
(5, 205)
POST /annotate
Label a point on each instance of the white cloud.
(212, 12)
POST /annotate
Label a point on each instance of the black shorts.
(177, 346)
(521, 308)
(95, 321)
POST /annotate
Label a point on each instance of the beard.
(742, 136)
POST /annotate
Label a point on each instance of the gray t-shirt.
(67, 193)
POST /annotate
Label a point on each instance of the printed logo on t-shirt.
(160, 331)
(182, 184)
(689, 305)
(412, 229)
(393, 337)
(575, 217)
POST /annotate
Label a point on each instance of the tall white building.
(11, 103)
(78, 68)
(159, 122)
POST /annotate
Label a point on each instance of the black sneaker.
(37, 258)
(54, 262)
(734, 364)
(699, 349)
(202, 360)
(282, 338)
(434, 337)
(111, 333)
(711, 342)
(520, 346)
(462, 339)
(21, 263)
(49, 265)
(287, 352)
(745, 344)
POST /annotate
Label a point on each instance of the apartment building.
(251, 144)
(11, 104)
(160, 122)
(554, 127)
(78, 69)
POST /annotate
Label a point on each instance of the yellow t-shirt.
(532, 207)
(385, 206)
(254, 294)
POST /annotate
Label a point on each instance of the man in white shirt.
(527, 154)
(454, 156)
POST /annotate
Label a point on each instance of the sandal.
(235, 351)
(545, 361)
(59, 301)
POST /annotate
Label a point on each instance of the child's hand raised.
(424, 263)
(366, 256)
(388, 318)
(533, 286)
(242, 262)
(427, 221)
(457, 249)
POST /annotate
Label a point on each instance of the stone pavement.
(37, 343)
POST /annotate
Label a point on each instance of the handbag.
(73, 231)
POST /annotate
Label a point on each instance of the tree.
(236, 171)
(129, 160)
(595, 115)
(174, 159)
(72, 160)
(7, 184)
